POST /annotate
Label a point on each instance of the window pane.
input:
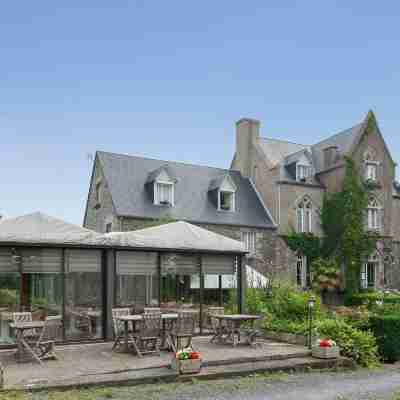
(9, 302)
(84, 295)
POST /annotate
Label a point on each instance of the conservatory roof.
(41, 229)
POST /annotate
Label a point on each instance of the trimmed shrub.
(370, 299)
(386, 329)
(354, 343)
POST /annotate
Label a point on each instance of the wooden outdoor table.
(233, 324)
(20, 328)
(139, 317)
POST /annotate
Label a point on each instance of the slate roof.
(343, 140)
(126, 177)
(279, 151)
(276, 150)
(176, 235)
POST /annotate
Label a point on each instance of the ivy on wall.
(345, 239)
(306, 244)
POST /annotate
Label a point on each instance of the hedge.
(386, 329)
(371, 298)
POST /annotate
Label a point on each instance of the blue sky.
(168, 79)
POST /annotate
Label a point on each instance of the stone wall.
(98, 215)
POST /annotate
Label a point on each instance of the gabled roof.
(157, 172)
(39, 228)
(283, 152)
(176, 235)
(219, 181)
(343, 140)
(276, 150)
(126, 177)
(295, 157)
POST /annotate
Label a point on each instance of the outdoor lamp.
(311, 304)
(311, 301)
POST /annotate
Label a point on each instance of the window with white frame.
(301, 273)
(302, 172)
(226, 200)
(304, 216)
(249, 240)
(164, 193)
(374, 212)
(371, 171)
(368, 271)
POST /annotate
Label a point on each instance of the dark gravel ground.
(381, 384)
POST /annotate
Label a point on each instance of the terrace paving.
(96, 363)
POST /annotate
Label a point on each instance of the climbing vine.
(345, 240)
(306, 244)
(343, 223)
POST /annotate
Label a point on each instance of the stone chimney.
(330, 156)
(247, 135)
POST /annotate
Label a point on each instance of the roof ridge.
(337, 134)
(285, 141)
(168, 161)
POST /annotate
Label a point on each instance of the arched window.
(374, 212)
(304, 215)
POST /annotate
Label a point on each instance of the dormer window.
(222, 192)
(164, 193)
(161, 186)
(302, 172)
(226, 201)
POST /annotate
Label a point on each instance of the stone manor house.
(271, 188)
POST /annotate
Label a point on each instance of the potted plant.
(187, 361)
(39, 308)
(325, 348)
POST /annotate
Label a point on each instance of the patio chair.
(45, 346)
(149, 336)
(25, 316)
(151, 310)
(218, 327)
(118, 326)
(180, 337)
(82, 321)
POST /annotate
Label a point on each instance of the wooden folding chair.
(118, 327)
(182, 333)
(45, 346)
(149, 336)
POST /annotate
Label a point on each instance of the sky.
(168, 80)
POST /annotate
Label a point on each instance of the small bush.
(354, 343)
(289, 303)
(370, 299)
(8, 297)
(386, 329)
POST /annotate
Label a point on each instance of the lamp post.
(311, 305)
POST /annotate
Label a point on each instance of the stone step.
(279, 365)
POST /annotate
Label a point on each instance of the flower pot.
(186, 366)
(326, 352)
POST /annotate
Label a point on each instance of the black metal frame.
(106, 273)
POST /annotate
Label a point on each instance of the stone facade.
(99, 207)
(282, 195)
